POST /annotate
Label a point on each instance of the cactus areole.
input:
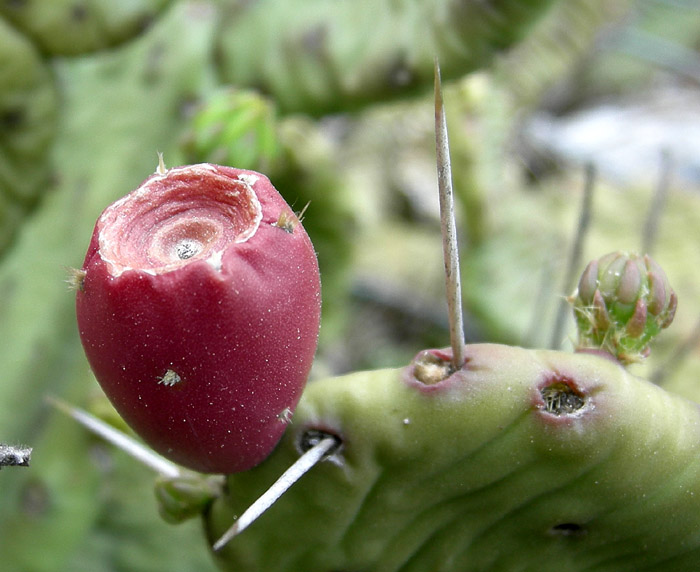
(198, 307)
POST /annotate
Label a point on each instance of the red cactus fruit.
(198, 307)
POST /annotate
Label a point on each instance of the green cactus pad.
(318, 56)
(523, 460)
(64, 27)
(28, 105)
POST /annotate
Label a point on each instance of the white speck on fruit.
(285, 416)
(170, 378)
(215, 261)
(248, 178)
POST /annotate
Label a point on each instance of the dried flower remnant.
(561, 399)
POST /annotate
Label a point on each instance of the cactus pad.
(522, 460)
(28, 104)
(70, 28)
(318, 56)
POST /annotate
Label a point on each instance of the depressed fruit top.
(182, 224)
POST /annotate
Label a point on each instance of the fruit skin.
(202, 355)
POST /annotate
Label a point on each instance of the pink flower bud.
(199, 312)
(623, 301)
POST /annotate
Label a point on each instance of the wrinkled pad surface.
(524, 460)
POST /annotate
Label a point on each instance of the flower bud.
(622, 302)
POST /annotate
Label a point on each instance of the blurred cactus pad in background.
(534, 459)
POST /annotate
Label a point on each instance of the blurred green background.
(332, 100)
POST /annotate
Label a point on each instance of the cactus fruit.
(521, 460)
(622, 302)
(198, 307)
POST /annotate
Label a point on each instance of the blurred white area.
(625, 138)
